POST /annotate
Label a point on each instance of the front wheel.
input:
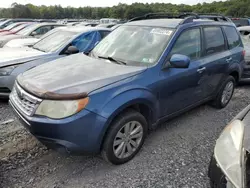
(125, 137)
(225, 94)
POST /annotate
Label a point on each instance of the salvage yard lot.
(176, 154)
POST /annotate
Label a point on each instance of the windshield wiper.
(117, 61)
(38, 49)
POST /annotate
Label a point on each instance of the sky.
(94, 3)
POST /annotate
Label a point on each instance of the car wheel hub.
(227, 92)
(128, 139)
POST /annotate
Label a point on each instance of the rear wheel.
(225, 94)
(125, 137)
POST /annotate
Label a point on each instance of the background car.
(34, 30)
(27, 41)
(230, 163)
(16, 29)
(10, 21)
(11, 26)
(245, 35)
(106, 25)
(64, 41)
(239, 22)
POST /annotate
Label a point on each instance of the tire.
(218, 101)
(129, 118)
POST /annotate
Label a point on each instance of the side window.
(233, 37)
(42, 30)
(214, 40)
(83, 41)
(189, 44)
(104, 33)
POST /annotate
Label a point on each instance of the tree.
(123, 11)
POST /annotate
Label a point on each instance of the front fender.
(122, 100)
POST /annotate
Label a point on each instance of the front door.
(180, 87)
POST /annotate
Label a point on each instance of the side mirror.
(34, 33)
(179, 61)
(72, 50)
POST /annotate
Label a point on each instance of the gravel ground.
(176, 154)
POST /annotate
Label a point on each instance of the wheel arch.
(142, 101)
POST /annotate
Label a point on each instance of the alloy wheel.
(128, 139)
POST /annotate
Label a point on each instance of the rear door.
(235, 46)
(216, 56)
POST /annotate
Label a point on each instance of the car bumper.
(6, 84)
(246, 72)
(217, 177)
(80, 133)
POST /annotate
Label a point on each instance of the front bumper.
(80, 133)
(217, 177)
(6, 85)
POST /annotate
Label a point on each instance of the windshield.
(9, 27)
(54, 41)
(134, 45)
(19, 27)
(27, 30)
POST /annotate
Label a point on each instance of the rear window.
(233, 37)
(214, 40)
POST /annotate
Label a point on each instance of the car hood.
(21, 42)
(12, 56)
(4, 39)
(73, 77)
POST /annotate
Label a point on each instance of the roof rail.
(187, 16)
(214, 16)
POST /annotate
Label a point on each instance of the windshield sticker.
(160, 31)
(148, 60)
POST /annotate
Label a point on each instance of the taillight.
(244, 53)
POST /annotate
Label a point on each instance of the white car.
(21, 42)
(16, 43)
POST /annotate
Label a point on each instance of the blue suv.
(145, 72)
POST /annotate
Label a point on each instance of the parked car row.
(125, 83)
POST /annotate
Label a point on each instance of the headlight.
(61, 109)
(228, 152)
(7, 70)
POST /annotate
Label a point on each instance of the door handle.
(200, 70)
(229, 59)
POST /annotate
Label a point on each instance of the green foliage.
(235, 8)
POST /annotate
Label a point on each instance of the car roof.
(174, 23)
(47, 23)
(83, 29)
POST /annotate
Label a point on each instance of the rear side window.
(233, 37)
(104, 33)
(214, 40)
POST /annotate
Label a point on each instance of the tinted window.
(189, 44)
(104, 33)
(240, 22)
(83, 41)
(42, 30)
(214, 40)
(233, 37)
